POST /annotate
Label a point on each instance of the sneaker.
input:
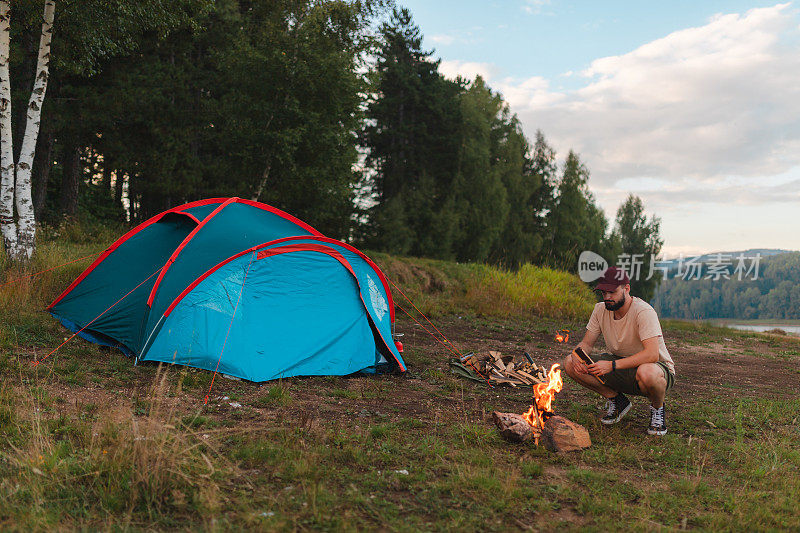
(658, 421)
(618, 406)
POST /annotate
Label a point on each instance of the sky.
(694, 106)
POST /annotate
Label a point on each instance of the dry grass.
(106, 466)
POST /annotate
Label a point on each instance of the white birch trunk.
(7, 226)
(26, 232)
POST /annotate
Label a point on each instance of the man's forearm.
(637, 359)
(586, 347)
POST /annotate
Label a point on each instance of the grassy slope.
(87, 441)
(441, 287)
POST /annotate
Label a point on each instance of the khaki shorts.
(624, 380)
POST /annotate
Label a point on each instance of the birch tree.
(19, 235)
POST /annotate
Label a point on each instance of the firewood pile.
(506, 369)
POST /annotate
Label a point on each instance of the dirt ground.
(715, 369)
(707, 365)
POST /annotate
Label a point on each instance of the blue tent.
(237, 286)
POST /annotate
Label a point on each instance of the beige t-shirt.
(624, 336)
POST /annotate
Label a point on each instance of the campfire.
(539, 422)
(543, 394)
(562, 336)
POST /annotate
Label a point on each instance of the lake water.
(794, 330)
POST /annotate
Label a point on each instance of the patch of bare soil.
(757, 368)
(429, 392)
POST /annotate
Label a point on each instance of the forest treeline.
(331, 110)
(769, 289)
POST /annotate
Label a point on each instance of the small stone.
(562, 435)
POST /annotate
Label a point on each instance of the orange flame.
(543, 394)
(562, 336)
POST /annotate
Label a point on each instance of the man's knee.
(650, 375)
(569, 368)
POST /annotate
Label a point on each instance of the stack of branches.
(506, 369)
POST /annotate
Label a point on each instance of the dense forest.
(331, 110)
(767, 289)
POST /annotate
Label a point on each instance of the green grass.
(90, 442)
(163, 468)
(276, 395)
(441, 287)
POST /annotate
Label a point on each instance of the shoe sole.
(658, 432)
(619, 416)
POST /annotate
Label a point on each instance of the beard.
(615, 306)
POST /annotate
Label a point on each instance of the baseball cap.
(612, 278)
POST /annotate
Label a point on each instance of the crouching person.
(639, 363)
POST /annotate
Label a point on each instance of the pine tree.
(529, 174)
(411, 158)
(634, 235)
(482, 197)
(542, 199)
(518, 240)
(575, 223)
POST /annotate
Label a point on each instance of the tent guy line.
(8, 282)
(444, 341)
(38, 362)
(239, 299)
(426, 318)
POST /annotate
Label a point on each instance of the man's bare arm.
(648, 355)
(587, 343)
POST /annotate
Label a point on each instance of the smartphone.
(588, 360)
(585, 358)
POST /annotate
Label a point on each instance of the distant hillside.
(768, 288)
(672, 264)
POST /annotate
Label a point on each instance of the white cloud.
(534, 7)
(700, 104)
(703, 124)
(443, 39)
(533, 93)
(467, 69)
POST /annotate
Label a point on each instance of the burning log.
(558, 433)
(513, 427)
(563, 435)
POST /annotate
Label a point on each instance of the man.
(639, 363)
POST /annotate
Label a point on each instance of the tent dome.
(239, 286)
